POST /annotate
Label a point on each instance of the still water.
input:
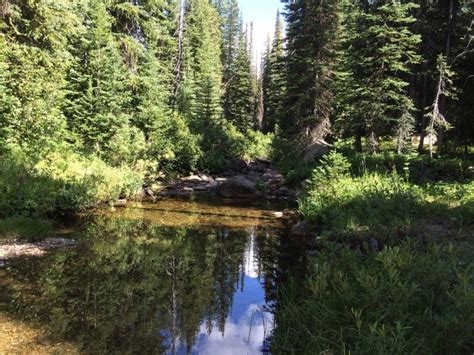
(175, 277)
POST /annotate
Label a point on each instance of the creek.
(172, 277)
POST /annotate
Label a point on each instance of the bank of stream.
(173, 277)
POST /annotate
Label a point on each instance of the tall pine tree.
(380, 50)
(312, 34)
(273, 77)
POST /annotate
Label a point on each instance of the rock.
(188, 190)
(316, 150)
(257, 167)
(237, 186)
(21, 248)
(239, 165)
(202, 187)
(302, 228)
(2, 264)
(193, 178)
(271, 176)
(283, 192)
(278, 214)
(221, 179)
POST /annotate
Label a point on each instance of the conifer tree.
(99, 102)
(34, 40)
(312, 34)
(380, 49)
(240, 90)
(201, 86)
(274, 78)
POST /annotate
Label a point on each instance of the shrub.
(63, 181)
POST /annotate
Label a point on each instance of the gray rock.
(283, 192)
(302, 228)
(188, 190)
(316, 150)
(2, 264)
(237, 186)
(272, 176)
(193, 178)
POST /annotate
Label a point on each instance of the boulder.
(239, 185)
(193, 178)
(316, 150)
(238, 165)
(271, 176)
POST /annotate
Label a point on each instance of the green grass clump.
(25, 228)
(401, 300)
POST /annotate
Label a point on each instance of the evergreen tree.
(201, 87)
(240, 90)
(274, 78)
(380, 49)
(34, 40)
(312, 34)
(99, 101)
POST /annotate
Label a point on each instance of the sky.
(263, 14)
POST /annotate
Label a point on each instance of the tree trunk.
(423, 117)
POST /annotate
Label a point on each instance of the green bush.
(402, 300)
(377, 204)
(63, 181)
(258, 145)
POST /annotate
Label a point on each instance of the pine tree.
(380, 50)
(99, 100)
(240, 90)
(312, 34)
(201, 87)
(274, 78)
(34, 40)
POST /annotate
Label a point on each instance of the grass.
(395, 266)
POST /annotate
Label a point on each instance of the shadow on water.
(137, 285)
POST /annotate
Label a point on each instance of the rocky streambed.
(255, 179)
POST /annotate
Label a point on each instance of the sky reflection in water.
(140, 281)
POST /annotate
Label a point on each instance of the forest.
(366, 107)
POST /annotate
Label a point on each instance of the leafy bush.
(173, 146)
(63, 181)
(397, 301)
(258, 145)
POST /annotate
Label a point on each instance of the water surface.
(175, 277)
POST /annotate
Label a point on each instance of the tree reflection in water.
(135, 287)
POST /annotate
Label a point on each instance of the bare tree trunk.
(447, 53)
(178, 71)
(423, 117)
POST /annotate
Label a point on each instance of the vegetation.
(96, 95)
(394, 264)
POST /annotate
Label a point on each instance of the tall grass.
(394, 272)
